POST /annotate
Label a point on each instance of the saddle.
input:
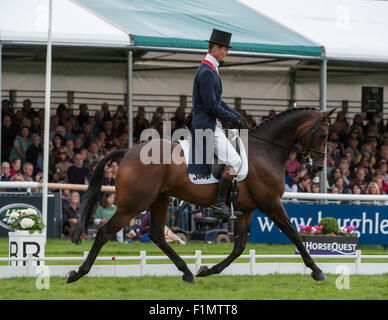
(218, 165)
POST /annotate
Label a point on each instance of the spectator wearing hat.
(61, 166)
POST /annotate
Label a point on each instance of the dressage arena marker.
(143, 269)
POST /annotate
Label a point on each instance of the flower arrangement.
(310, 229)
(327, 226)
(26, 219)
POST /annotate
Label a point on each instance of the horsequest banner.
(371, 221)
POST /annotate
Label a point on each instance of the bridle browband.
(305, 153)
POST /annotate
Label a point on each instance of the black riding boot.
(221, 210)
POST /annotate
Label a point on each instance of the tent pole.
(322, 98)
(1, 99)
(47, 119)
(130, 98)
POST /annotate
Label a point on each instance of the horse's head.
(313, 137)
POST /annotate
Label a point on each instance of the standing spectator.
(8, 134)
(20, 144)
(77, 173)
(105, 111)
(70, 214)
(359, 179)
(5, 171)
(34, 151)
(28, 171)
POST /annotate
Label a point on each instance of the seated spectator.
(373, 188)
(16, 166)
(77, 173)
(93, 152)
(28, 171)
(61, 166)
(179, 118)
(381, 183)
(83, 116)
(353, 148)
(315, 187)
(359, 179)
(292, 163)
(108, 177)
(105, 210)
(70, 214)
(27, 109)
(335, 174)
(340, 185)
(34, 151)
(69, 133)
(305, 184)
(300, 172)
(69, 144)
(115, 166)
(20, 144)
(65, 196)
(5, 171)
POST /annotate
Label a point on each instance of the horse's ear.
(327, 114)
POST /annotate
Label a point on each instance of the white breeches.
(225, 151)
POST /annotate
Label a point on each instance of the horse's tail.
(91, 196)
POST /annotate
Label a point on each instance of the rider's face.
(220, 52)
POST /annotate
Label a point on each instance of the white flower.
(313, 230)
(343, 230)
(14, 215)
(30, 211)
(27, 223)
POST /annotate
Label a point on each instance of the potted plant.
(328, 238)
(26, 235)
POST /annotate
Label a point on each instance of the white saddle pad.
(241, 174)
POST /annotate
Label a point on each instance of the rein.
(305, 153)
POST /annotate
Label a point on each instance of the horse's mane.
(282, 114)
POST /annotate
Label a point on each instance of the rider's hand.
(241, 123)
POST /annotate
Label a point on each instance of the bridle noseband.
(306, 154)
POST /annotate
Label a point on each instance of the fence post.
(252, 262)
(198, 258)
(358, 261)
(29, 264)
(143, 261)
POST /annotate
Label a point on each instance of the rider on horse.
(211, 112)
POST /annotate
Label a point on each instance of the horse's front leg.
(280, 217)
(241, 228)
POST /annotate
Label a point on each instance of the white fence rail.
(142, 269)
(286, 195)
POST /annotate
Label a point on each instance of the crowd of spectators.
(357, 150)
(357, 154)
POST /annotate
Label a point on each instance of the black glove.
(241, 123)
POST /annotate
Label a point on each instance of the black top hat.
(221, 38)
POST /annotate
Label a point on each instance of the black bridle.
(306, 154)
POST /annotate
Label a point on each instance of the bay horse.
(142, 186)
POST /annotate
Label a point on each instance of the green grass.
(290, 287)
(170, 288)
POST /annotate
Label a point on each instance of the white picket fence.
(253, 267)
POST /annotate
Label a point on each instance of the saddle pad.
(241, 174)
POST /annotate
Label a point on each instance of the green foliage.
(330, 225)
(27, 219)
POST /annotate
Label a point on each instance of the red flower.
(308, 228)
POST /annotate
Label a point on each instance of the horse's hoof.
(318, 276)
(203, 271)
(72, 276)
(188, 278)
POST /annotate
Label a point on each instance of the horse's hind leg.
(104, 234)
(279, 216)
(241, 227)
(158, 221)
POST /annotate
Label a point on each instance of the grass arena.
(226, 287)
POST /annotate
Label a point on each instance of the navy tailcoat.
(207, 107)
